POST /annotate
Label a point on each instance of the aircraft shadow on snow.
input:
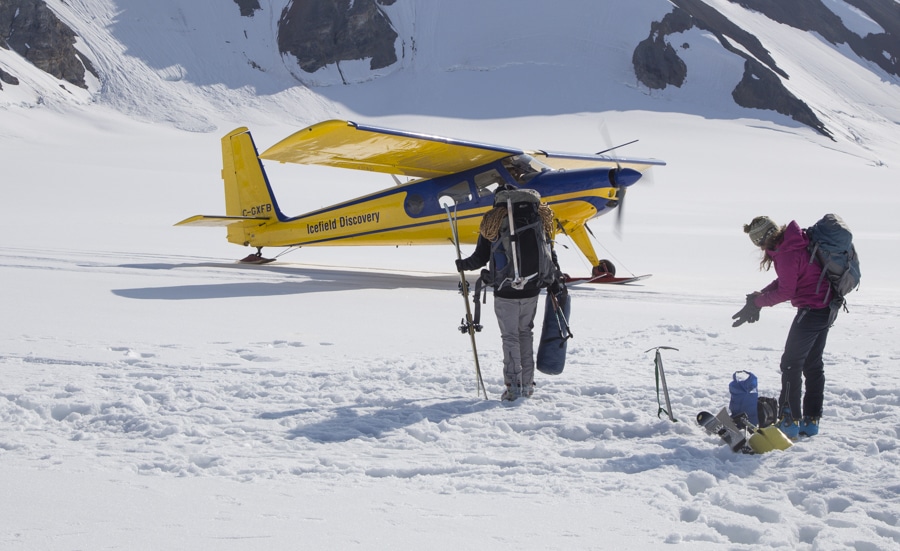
(298, 281)
(359, 421)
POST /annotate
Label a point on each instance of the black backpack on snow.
(831, 245)
(521, 257)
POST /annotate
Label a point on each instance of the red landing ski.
(606, 279)
(256, 258)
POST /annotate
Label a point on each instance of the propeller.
(614, 177)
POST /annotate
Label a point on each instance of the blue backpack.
(831, 245)
(744, 396)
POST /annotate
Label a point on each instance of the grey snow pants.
(515, 316)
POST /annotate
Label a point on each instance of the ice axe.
(661, 381)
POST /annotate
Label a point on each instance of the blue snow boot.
(809, 426)
(789, 426)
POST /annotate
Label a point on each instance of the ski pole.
(561, 320)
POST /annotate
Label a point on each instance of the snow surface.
(156, 395)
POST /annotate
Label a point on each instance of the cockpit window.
(523, 167)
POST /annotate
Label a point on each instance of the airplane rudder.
(247, 190)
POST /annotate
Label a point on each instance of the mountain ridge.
(325, 53)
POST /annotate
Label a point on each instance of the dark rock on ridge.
(247, 7)
(322, 32)
(657, 65)
(7, 78)
(812, 15)
(32, 30)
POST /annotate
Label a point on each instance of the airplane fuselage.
(413, 213)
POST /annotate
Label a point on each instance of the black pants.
(802, 358)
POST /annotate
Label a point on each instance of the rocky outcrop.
(248, 7)
(32, 30)
(324, 32)
(657, 65)
(655, 61)
(8, 79)
(760, 88)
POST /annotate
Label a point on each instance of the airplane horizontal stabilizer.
(216, 221)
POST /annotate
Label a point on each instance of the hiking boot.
(788, 425)
(511, 394)
(809, 426)
(790, 428)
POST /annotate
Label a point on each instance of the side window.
(487, 182)
(458, 194)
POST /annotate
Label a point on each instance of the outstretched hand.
(749, 313)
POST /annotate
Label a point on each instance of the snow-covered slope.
(194, 64)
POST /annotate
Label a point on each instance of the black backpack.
(767, 411)
(521, 257)
(831, 245)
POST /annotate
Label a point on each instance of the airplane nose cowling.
(623, 177)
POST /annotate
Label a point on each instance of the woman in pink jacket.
(797, 280)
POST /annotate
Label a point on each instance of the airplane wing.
(346, 144)
(568, 161)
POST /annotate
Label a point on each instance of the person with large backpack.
(515, 241)
(802, 280)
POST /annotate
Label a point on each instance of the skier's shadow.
(374, 421)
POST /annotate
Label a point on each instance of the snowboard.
(555, 334)
(743, 437)
(723, 426)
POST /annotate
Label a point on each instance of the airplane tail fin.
(249, 201)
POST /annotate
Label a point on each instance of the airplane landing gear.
(256, 258)
(604, 267)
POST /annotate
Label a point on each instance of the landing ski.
(606, 279)
(256, 258)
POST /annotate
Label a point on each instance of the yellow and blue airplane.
(577, 187)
